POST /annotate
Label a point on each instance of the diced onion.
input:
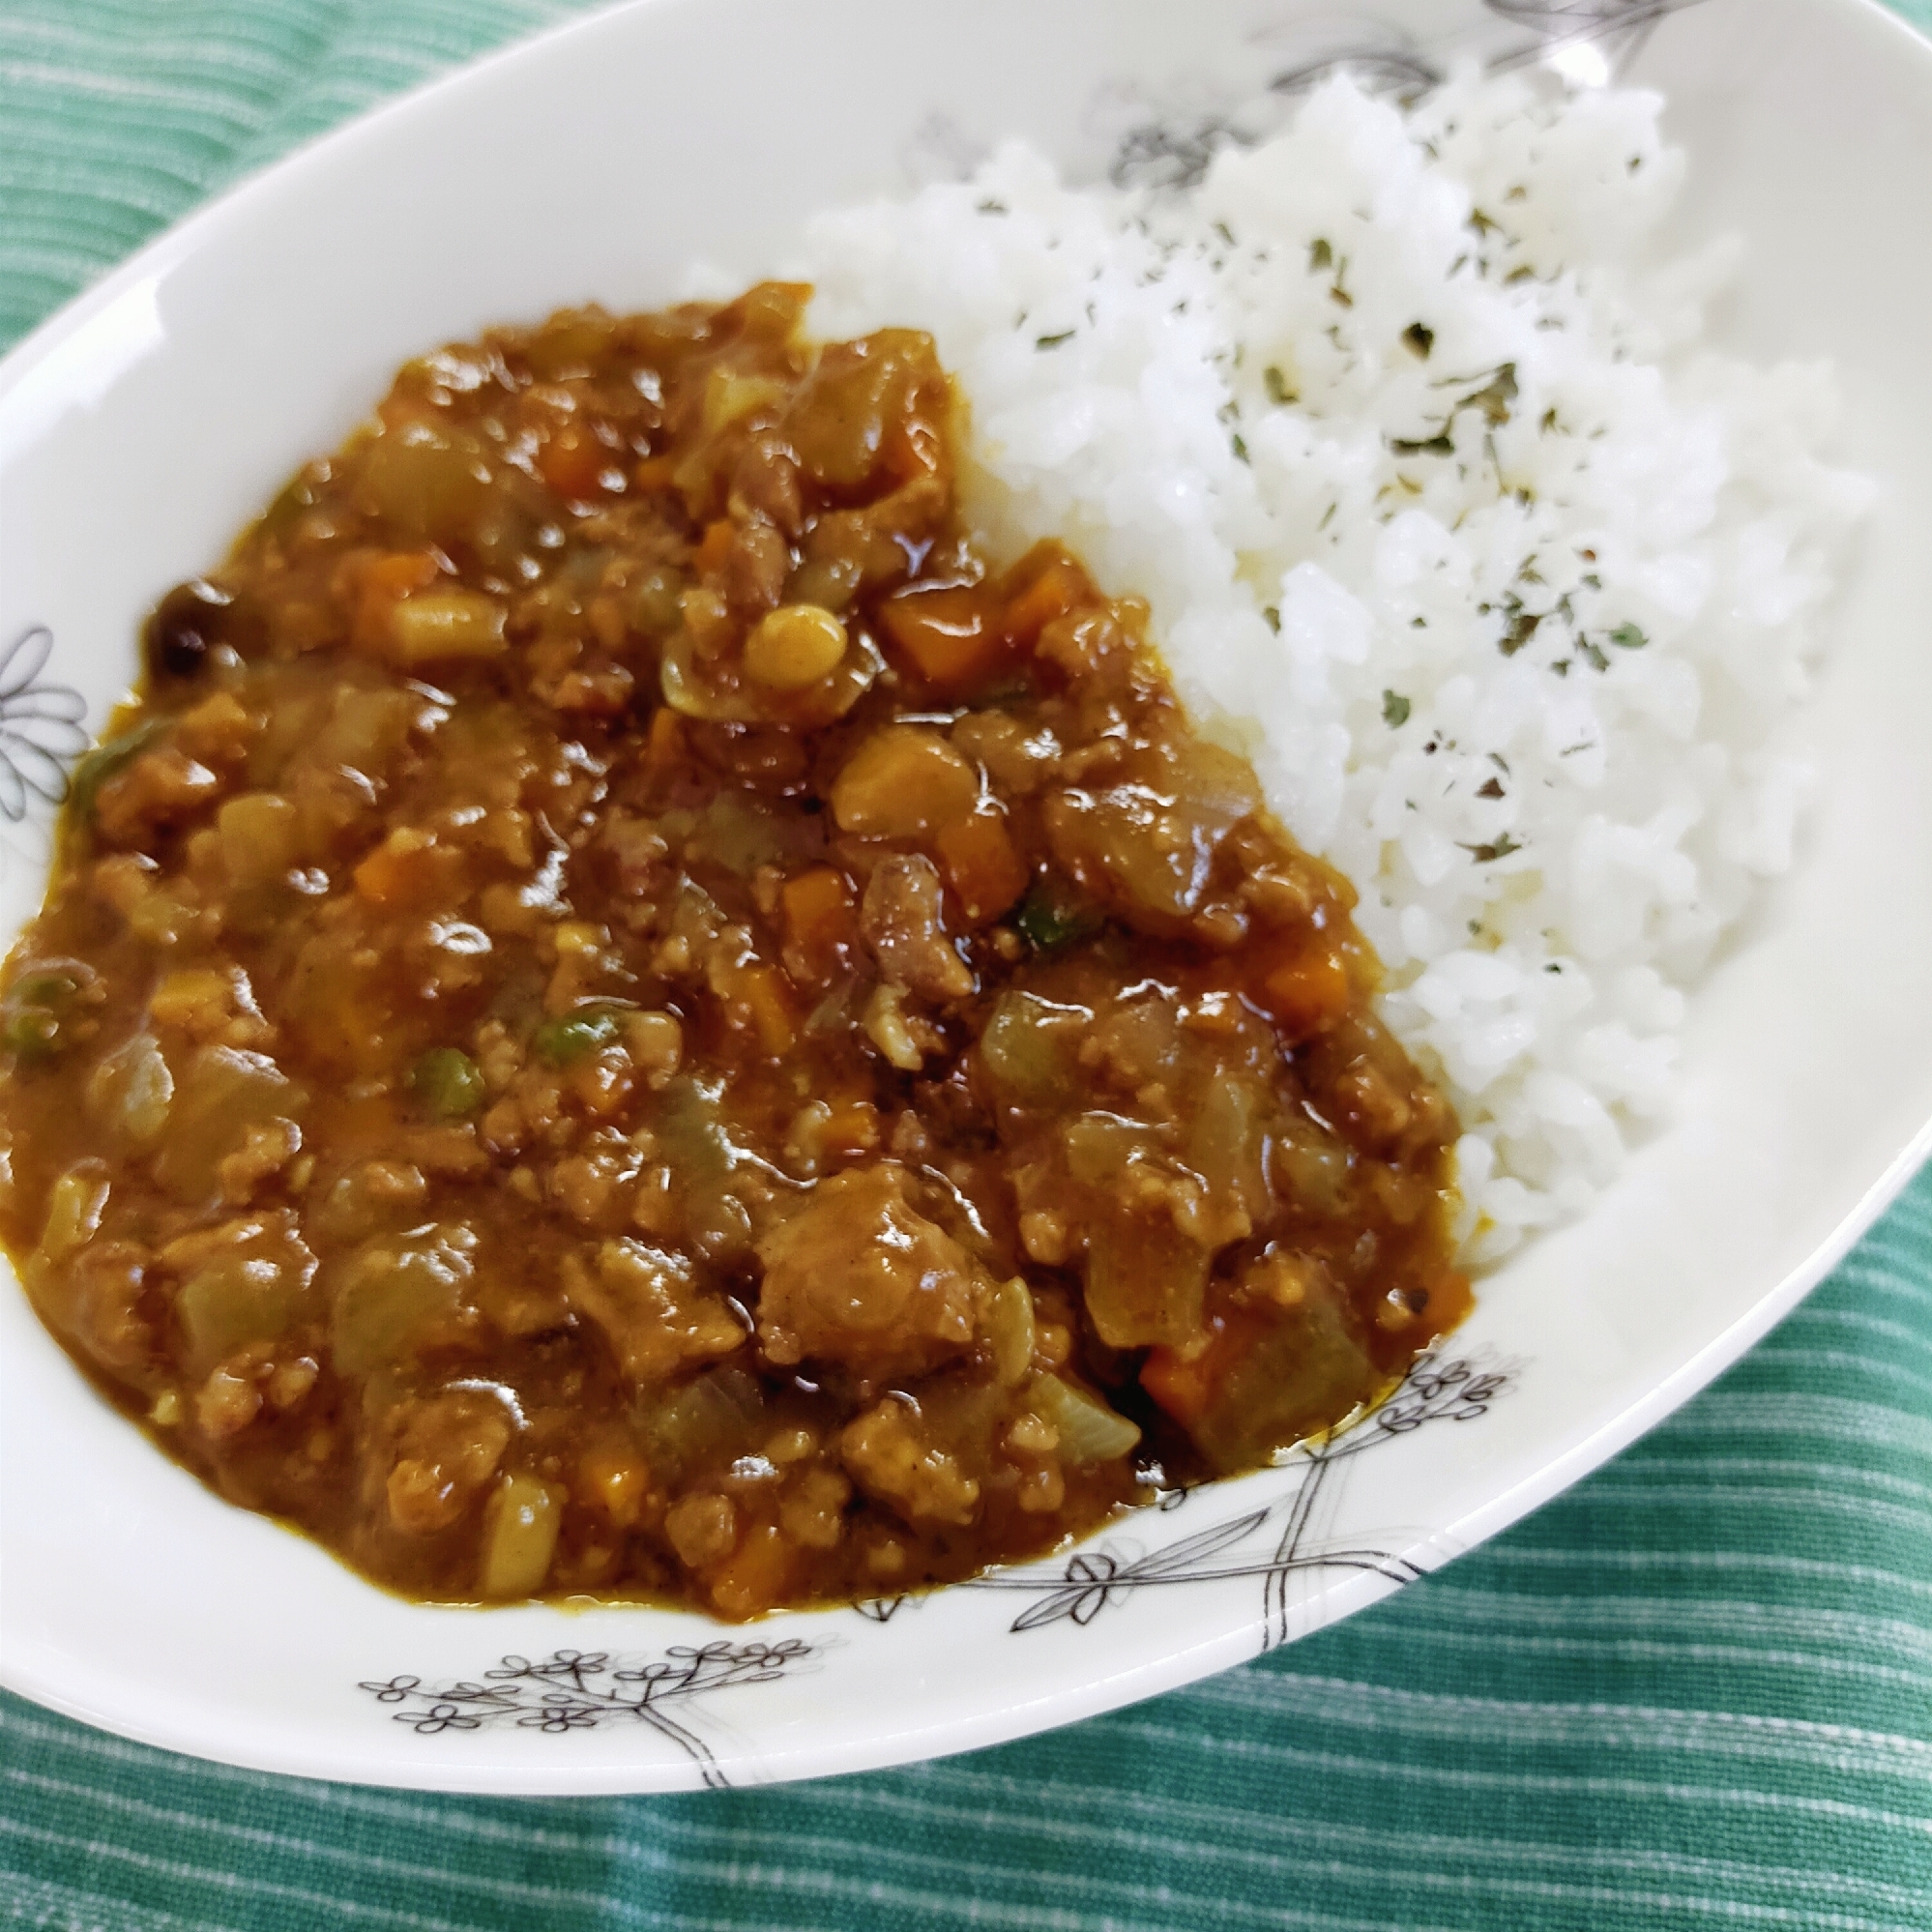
(521, 1525)
(1089, 1430)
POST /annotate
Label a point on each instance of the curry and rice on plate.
(658, 998)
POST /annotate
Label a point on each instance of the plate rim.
(1097, 1693)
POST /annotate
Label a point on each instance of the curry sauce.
(627, 1017)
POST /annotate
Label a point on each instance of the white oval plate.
(142, 426)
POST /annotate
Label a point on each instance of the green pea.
(46, 989)
(571, 1035)
(448, 1083)
(36, 1008)
(1049, 917)
(32, 1034)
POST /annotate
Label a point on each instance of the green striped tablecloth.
(1696, 1690)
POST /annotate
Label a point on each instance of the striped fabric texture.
(1696, 1690)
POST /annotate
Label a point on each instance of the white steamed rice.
(1531, 692)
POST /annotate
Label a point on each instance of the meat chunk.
(901, 924)
(158, 789)
(267, 1148)
(657, 1315)
(766, 483)
(448, 1449)
(892, 1457)
(860, 1278)
(756, 567)
(103, 1311)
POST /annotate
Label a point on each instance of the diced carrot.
(409, 869)
(1186, 1384)
(572, 461)
(602, 1082)
(820, 919)
(402, 572)
(1044, 584)
(755, 1576)
(1181, 1387)
(760, 991)
(986, 872)
(664, 742)
(382, 878)
(1306, 991)
(1054, 594)
(385, 581)
(952, 635)
(655, 472)
(616, 1480)
(1044, 556)
(853, 1128)
(715, 545)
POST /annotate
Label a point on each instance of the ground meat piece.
(651, 1306)
(900, 919)
(208, 1005)
(103, 1285)
(813, 1514)
(765, 481)
(756, 567)
(229, 1400)
(889, 1453)
(159, 788)
(218, 729)
(1372, 1110)
(267, 1148)
(703, 1528)
(858, 1277)
(446, 1450)
(448, 1151)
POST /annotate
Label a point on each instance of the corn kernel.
(794, 646)
(578, 936)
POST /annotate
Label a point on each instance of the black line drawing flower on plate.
(579, 1690)
(1436, 1389)
(40, 726)
(1176, 151)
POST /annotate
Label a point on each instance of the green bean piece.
(573, 1035)
(33, 1034)
(449, 1083)
(1049, 918)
